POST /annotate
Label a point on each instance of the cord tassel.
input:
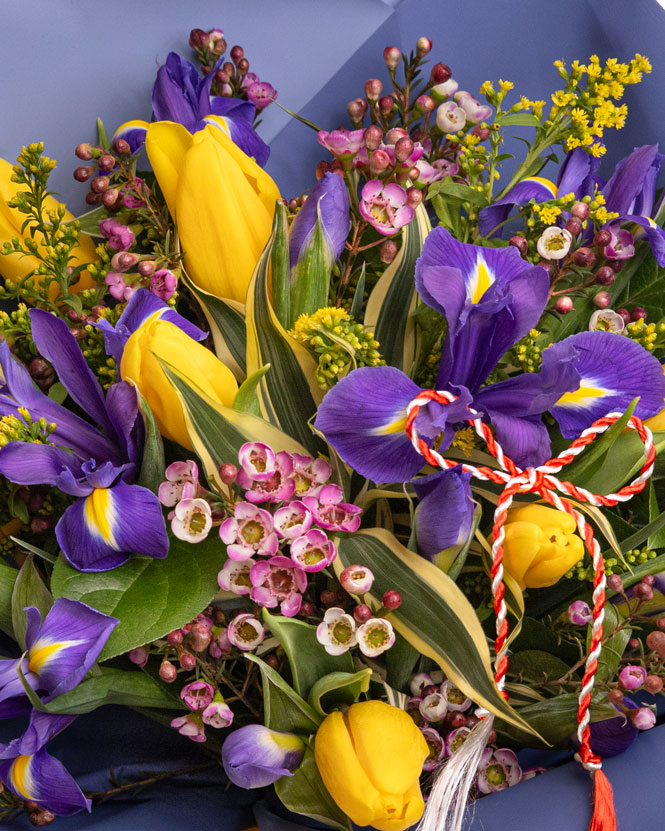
(604, 816)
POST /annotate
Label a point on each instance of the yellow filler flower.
(541, 545)
(160, 338)
(221, 201)
(370, 759)
(16, 266)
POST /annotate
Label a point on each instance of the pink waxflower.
(197, 695)
(138, 656)
(278, 488)
(234, 576)
(130, 199)
(384, 207)
(245, 632)
(249, 79)
(313, 551)
(292, 520)
(217, 714)
(450, 117)
(643, 718)
(622, 245)
(278, 582)
(415, 156)
(456, 700)
(119, 236)
(475, 111)
(191, 726)
(446, 166)
(191, 520)
(261, 94)
(342, 143)
(330, 512)
(498, 769)
(356, 580)
(456, 738)
(221, 646)
(632, 677)
(427, 173)
(182, 482)
(116, 283)
(441, 92)
(248, 532)
(375, 636)
(257, 460)
(309, 474)
(433, 707)
(337, 631)
(437, 748)
(163, 284)
(579, 613)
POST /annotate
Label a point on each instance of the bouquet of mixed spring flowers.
(338, 485)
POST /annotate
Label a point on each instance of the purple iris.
(490, 299)
(330, 199)
(112, 518)
(436, 530)
(180, 94)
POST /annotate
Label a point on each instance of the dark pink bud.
(93, 198)
(615, 583)
(425, 103)
(625, 314)
(392, 599)
(327, 597)
(187, 661)
(82, 174)
(617, 265)
(602, 238)
(520, 243)
(84, 152)
(643, 591)
(362, 613)
(373, 137)
(379, 161)
(574, 226)
(638, 313)
(584, 257)
(106, 162)
(40, 524)
(146, 268)
(394, 135)
(483, 133)
(201, 637)
(403, 148)
(392, 56)
(123, 261)
(99, 184)
(441, 73)
(306, 610)
(121, 147)
(168, 672)
(243, 66)
(615, 696)
(373, 89)
(388, 251)
(602, 300)
(357, 109)
(386, 104)
(423, 47)
(228, 473)
(656, 641)
(138, 656)
(198, 38)
(110, 197)
(653, 684)
(634, 643)
(174, 638)
(580, 210)
(564, 305)
(649, 579)
(414, 197)
(237, 53)
(605, 276)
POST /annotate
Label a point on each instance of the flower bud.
(440, 73)
(386, 104)
(121, 147)
(41, 818)
(580, 210)
(653, 684)
(423, 47)
(237, 53)
(414, 197)
(579, 613)
(123, 261)
(362, 613)
(84, 151)
(243, 66)
(656, 641)
(99, 184)
(602, 299)
(615, 696)
(356, 580)
(379, 161)
(106, 162)
(373, 137)
(201, 637)
(574, 226)
(392, 56)
(357, 109)
(93, 198)
(643, 718)
(146, 268)
(403, 148)
(638, 313)
(174, 638)
(643, 591)
(228, 473)
(605, 276)
(198, 39)
(167, 672)
(392, 599)
(615, 583)
(138, 656)
(82, 174)
(373, 89)
(395, 134)
(110, 197)
(187, 661)
(388, 251)
(602, 238)
(520, 243)
(584, 257)
(564, 305)
(632, 677)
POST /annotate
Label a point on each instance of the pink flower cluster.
(303, 507)
(191, 518)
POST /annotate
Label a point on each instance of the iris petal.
(498, 212)
(43, 779)
(133, 132)
(444, 514)
(42, 728)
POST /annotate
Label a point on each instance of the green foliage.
(338, 688)
(29, 590)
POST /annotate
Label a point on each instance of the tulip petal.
(43, 779)
(67, 644)
(102, 531)
(167, 144)
(614, 371)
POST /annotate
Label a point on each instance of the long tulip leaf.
(288, 394)
(435, 616)
(393, 299)
(279, 264)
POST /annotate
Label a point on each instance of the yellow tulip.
(221, 201)
(139, 364)
(541, 545)
(370, 759)
(16, 266)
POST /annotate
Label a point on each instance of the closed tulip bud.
(373, 89)
(392, 57)
(370, 760)
(221, 200)
(159, 338)
(373, 137)
(541, 545)
(14, 267)
(423, 47)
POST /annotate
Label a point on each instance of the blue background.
(66, 62)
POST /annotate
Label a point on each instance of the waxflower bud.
(123, 261)
(198, 38)
(82, 174)
(228, 473)
(395, 134)
(106, 162)
(440, 73)
(520, 243)
(564, 305)
(386, 104)
(356, 579)
(138, 656)
(388, 250)
(580, 210)
(168, 672)
(638, 313)
(379, 161)
(146, 268)
(605, 276)
(110, 197)
(584, 257)
(615, 696)
(362, 613)
(632, 677)
(99, 184)
(373, 137)
(579, 613)
(121, 147)
(357, 109)
(373, 89)
(653, 684)
(237, 53)
(187, 661)
(656, 641)
(84, 152)
(540, 546)
(425, 103)
(392, 599)
(602, 299)
(370, 760)
(574, 226)
(615, 583)
(414, 197)
(392, 56)
(403, 148)
(643, 718)
(602, 238)
(423, 47)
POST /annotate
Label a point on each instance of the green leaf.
(280, 267)
(8, 577)
(337, 688)
(217, 432)
(535, 665)
(57, 392)
(29, 590)
(115, 686)
(657, 539)
(401, 660)
(311, 274)
(358, 296)
(289, 393)
(226, 319)
(647, 289)
(554, 719)
(89, 221)
(102, 135)
(308, 660)
(644, 533)
(247, 400)
(50, 558)
(519, 120)
(435, 616)
(153, 464)
(613, 649)
(453, 191)
(149, 597)
(304, 793)
(391, 304)
(283, 708)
